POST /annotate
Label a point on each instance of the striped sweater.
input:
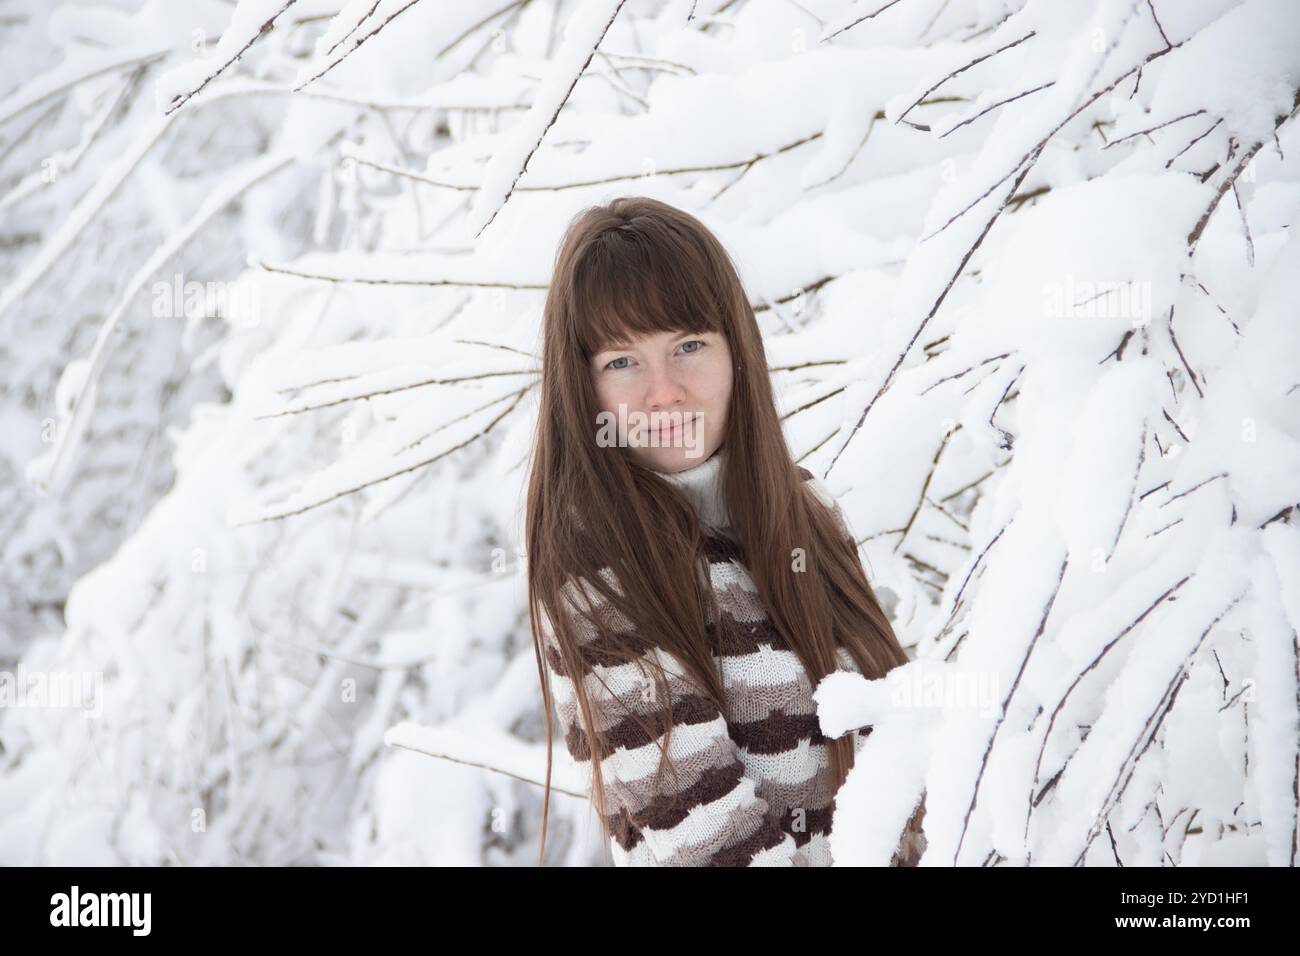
(754, 791)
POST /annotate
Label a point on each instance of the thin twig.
(180, 99)
(959, 71)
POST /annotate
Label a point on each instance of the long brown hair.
(638, 266)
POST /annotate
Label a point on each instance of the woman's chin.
(670, 458)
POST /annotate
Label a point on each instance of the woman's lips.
(671, 431)
(668, 433)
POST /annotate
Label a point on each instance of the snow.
(290, 543)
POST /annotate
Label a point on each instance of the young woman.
(688, 583)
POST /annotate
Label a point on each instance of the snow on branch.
(582, 36)
(1229, 180)
(58, 460)
(71, 74)
(539, 185)
(250, 20)
(408, 450)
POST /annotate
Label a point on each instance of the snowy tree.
(1026, 280)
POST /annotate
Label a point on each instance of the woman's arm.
(710, 814)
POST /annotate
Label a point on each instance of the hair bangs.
(624, 291)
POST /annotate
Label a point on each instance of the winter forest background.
(271, 278)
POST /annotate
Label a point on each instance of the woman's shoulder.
(825, 496)
(816, 484)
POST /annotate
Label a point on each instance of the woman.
(688, 584)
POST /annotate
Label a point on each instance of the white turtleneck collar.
(702, 485)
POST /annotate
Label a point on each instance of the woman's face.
(673, 389)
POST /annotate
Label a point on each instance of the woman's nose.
(664, 390)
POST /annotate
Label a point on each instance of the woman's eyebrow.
(628, 346)
(607, 349)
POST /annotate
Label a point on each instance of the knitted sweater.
(752, 791)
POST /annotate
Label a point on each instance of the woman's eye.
(689, 351)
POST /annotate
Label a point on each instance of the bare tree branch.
(975, 62)
(862, 19)
(992, 107)
(583, 184)
(1152, 129)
